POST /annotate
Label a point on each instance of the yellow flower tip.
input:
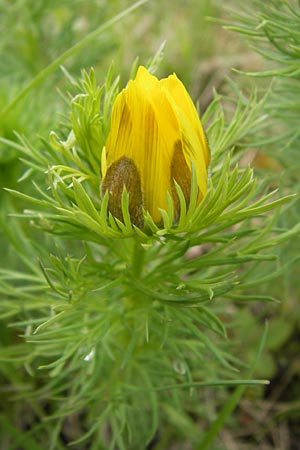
(145, 78)
(155, 137)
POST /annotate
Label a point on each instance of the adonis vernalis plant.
(127, 319)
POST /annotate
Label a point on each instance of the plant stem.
(71, 51)
(138, 257)
(231, 403)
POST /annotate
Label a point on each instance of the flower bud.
(155, 137)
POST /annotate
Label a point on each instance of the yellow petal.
(145, 79)
(120, 136)
(159, 130)
(184, 102)
(193, 152)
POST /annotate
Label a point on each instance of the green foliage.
(119, 330)
(273, 31)
(271, 28)
(123, 318)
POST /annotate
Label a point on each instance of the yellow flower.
(155, 136)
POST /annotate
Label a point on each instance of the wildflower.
(155, 137)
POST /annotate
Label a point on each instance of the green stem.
(71, 51)
(138, 257)
(231, 403)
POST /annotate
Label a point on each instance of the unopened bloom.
(155, 137)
